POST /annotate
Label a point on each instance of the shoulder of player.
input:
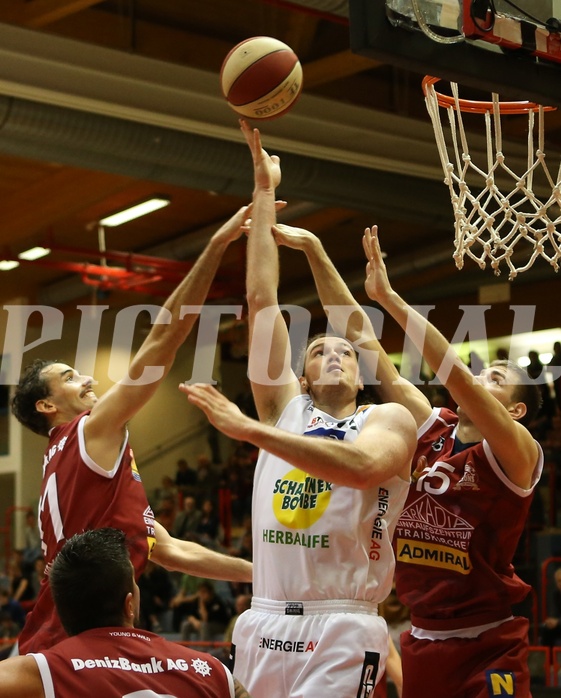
(20, 678)
(391, 412)
(518, 456)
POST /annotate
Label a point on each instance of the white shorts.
(310, 649)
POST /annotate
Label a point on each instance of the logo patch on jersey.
(501, 683)
(368, 676)
(150, 530)
(428, 534)
(299, 500)
(438, 445)
(134, 469)
(427, 514)
(317, 426)
(433, 555)
(468, 480)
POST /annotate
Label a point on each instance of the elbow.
(366, 478)
(257, 300)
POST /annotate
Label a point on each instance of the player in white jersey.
(329, 485)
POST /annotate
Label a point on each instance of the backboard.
(484, 45)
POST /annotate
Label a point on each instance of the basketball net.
(489, 222)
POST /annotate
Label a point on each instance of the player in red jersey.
(467, 504)
(90, 479)
(464, 515)
(97, 598)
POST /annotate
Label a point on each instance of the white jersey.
(314, 540)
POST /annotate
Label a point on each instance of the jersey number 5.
(435, 480)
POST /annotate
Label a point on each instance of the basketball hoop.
(490, 224)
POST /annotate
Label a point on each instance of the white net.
(499, 219)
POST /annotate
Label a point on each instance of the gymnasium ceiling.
(103, 104)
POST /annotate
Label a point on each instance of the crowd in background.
(190, 507)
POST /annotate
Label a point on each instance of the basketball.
(261, 78)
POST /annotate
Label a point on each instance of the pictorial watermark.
(273, 338)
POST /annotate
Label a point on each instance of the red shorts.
(494, 665)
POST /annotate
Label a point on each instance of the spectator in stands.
(185, 477)
(502, 354)
(210, 619)
(208, 527)
(206, 480)
(9, 629)
(12, 618)
(551, 628)
(21, 589)
(542, 424)
(156, 592)
(12, 608)
(32, 549)
(185, 602)
(555, 363)
(235, 479)
(37, 575)
(166, 491)
(243, 547)
(187, 520)
(166, 512)
(242, 603)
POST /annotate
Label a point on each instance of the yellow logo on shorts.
(299, 500)
(500, 683)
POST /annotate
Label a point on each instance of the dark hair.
(90, 579)
(32, 386)
(525, 390)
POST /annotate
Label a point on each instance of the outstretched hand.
(223, 414)
(279, 205)
(234, 228)
(377, 284)
(266, 167)
(295, 238)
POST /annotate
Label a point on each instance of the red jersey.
(117, 662)
(78, 495)
(458, 532)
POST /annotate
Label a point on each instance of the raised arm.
(510, 441)
(384, 447)
(105, 426)
(337, 299)
(269, 348)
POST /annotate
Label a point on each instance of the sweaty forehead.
(510, 376)
(54, 370)
(330, 342)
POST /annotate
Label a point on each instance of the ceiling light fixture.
(7, 264)
(134, 212)
(34, 253)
